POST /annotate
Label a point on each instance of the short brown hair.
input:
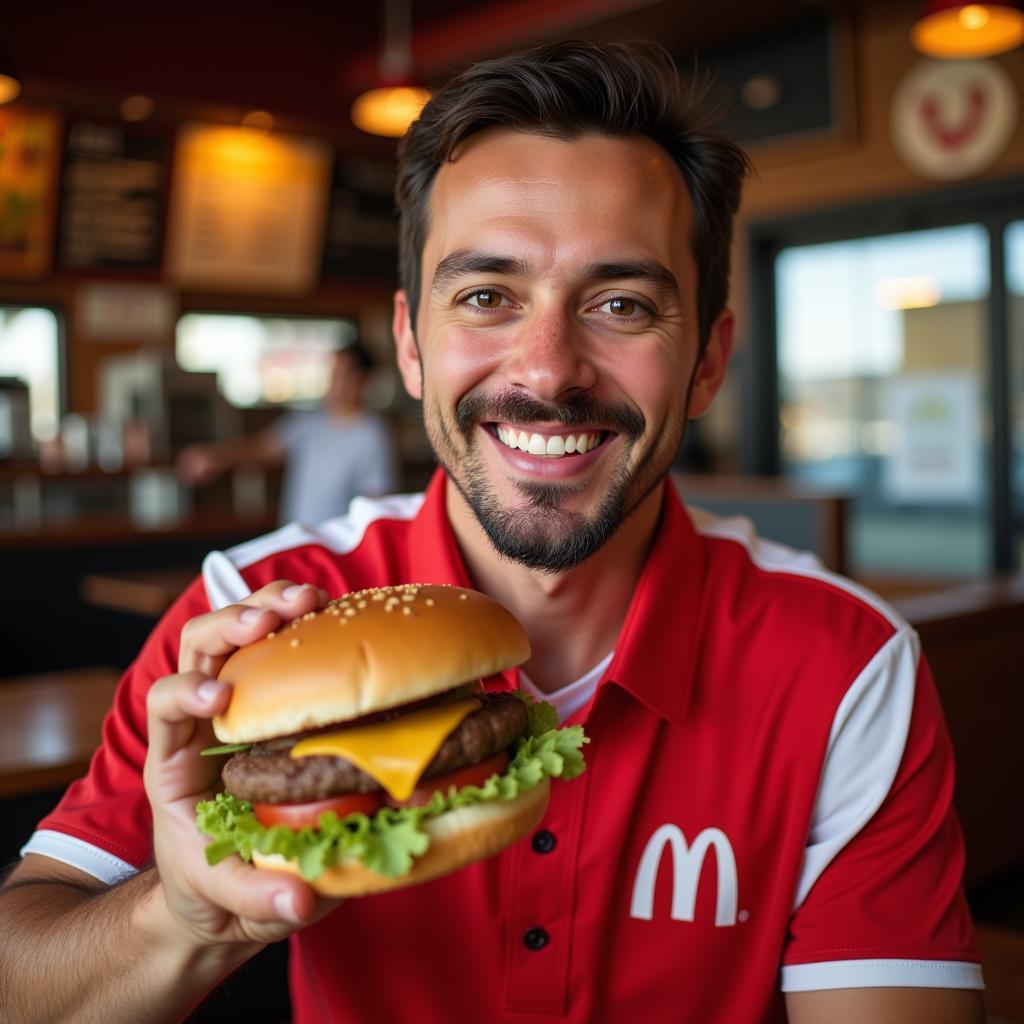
(565, 90)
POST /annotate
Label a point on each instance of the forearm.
(113, 955)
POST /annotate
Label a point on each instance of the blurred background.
(196, 214)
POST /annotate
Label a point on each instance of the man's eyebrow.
(651, 271)
(473, 261)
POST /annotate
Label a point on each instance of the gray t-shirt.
(329, 461)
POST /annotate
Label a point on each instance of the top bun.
(366, 651)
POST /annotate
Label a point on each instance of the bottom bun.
(457, 838)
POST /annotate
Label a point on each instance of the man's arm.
(148, 949)
(203, 463)
(74, 949)
(886, 1006)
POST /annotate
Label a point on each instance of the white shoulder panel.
(773, 557)
(221, 575)
(864, 752)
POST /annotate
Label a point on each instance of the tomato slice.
(471, 775)
(298, 816)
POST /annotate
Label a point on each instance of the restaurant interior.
(192, 221)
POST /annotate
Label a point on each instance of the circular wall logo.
(952, 119)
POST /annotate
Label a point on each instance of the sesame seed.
(462, 597)
(271, 635)
(430, 602)
(389, 607)
(408, 597)
(407, 610)
(295, 641)
(350, 612)
(362, 604)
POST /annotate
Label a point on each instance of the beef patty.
(267, 773)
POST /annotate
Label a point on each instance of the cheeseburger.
(366, 754)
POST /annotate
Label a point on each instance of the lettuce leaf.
(390, 840)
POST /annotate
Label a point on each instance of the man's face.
(557, 335)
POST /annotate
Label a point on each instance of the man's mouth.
(551, 446)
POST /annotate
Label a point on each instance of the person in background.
(330, 454)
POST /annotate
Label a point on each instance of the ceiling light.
(10, 83)
(952, 29)
(393, 105)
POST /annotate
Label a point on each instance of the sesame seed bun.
(366, 652)
(457, 838)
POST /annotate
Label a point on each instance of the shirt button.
(536, 938)
(543, 841)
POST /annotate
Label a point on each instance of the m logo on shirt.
(687, 862)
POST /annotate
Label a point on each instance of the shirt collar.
(654, 656)
(434, 555)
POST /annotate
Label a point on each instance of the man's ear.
(709, 375)
(407, 351)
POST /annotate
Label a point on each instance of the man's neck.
(572, 618)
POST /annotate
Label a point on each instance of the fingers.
(178, 710)
(269, 897)
(207, 640)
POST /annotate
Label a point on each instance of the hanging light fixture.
(952, 29)
(10, 84)
(390, 109)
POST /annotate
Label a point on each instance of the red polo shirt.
(766, 805)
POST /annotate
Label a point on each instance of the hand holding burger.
(366, 755)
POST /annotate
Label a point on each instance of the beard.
(541, 533)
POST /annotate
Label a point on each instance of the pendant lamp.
(952, 29)
(10, 84)
(390, 108)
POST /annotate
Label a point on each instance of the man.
(565, 230)
(315, 487)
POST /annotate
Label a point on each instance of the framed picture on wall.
(29, 159)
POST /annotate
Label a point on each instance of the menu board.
(111, 208)
(247, 210)
(29, 148)
(362, 228)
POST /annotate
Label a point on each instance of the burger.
(366, 753)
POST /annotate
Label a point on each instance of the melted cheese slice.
(396, 753)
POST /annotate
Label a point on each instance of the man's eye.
(622, 307)
(485, 299)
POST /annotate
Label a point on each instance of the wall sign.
(952, 119)
(247, 210)
(362, 229)
(112, 189)
(29, 150)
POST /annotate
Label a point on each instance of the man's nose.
(550, 358)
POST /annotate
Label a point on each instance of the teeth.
(555, 446)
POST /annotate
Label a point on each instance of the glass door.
(882, 362)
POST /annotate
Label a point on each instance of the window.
(30, 352)
(882, 378)
(887, 363)
(262, 360)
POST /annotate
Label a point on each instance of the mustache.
(576, 411)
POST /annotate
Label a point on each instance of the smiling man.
(764, 828)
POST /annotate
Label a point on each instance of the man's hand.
(232, 902)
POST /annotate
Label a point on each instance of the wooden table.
(147, 592)
(49, 727)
